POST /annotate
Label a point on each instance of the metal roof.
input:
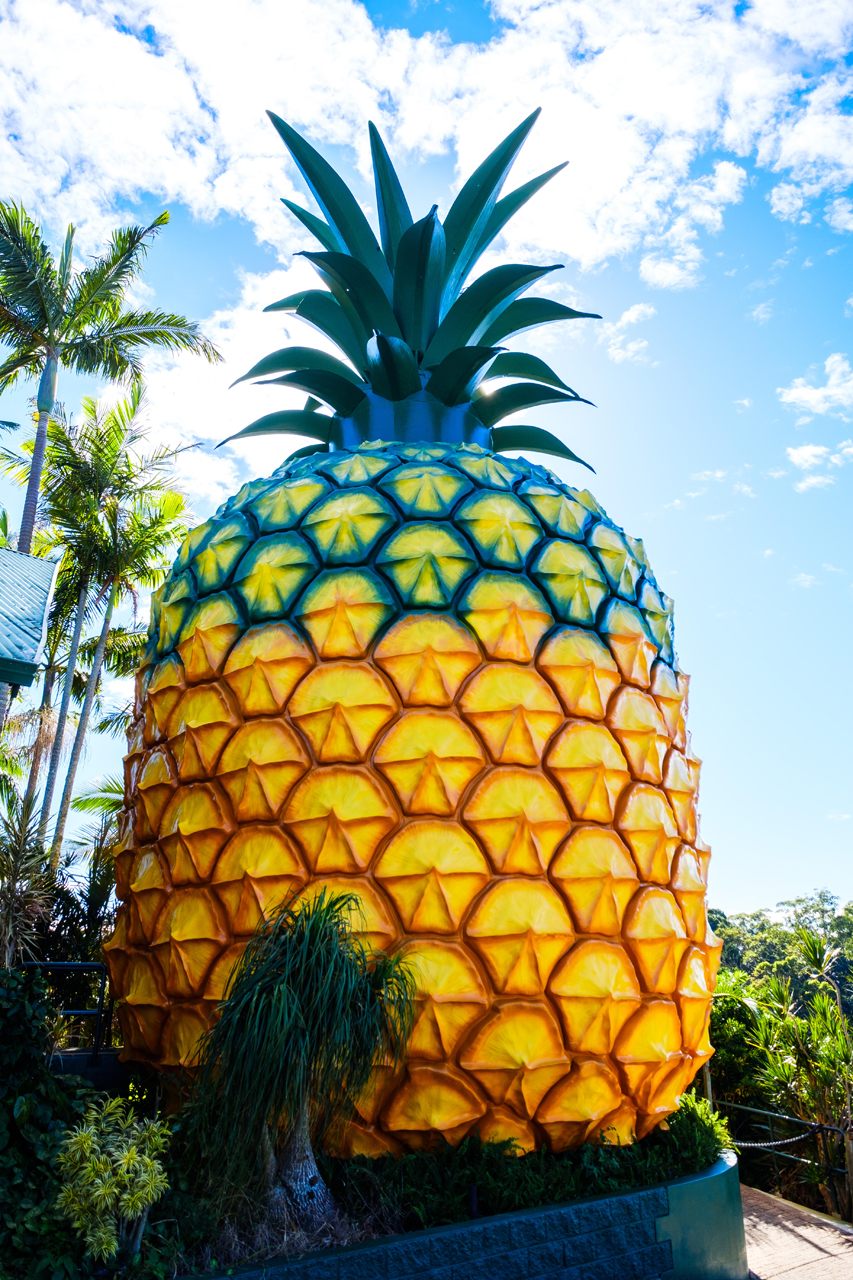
(26, 590)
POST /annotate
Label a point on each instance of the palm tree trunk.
(38, 745)
(62, 719)
(85, 714)
(301, 1180)
(44, 403)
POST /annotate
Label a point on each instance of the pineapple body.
(445, 681)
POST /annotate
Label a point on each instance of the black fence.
(782, 1153)
(80, 991)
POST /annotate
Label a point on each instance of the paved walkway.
(784, 1240)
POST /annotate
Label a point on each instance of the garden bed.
(688, 1229)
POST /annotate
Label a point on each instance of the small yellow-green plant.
(112, 1176)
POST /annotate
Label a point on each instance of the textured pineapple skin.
(445, 681)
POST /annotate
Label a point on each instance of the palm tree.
(307, 1014)
(135, 532)
(53, 317)
(87, 466)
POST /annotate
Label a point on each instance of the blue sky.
(706, 213)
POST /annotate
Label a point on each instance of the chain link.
(781, 1142)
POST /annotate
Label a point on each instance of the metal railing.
(102, 1013)
(768, 1134)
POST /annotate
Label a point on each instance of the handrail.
(102, 1024)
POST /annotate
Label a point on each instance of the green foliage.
(306, 1015)
(737, 1060)
(36, 1109)
(27, 884)
(764, 944)
(431, 1188)
(112, 1175)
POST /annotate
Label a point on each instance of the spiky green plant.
(112, 1175)
(307, 1015)
(422, 353)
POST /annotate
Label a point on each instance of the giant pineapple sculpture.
(442, 679)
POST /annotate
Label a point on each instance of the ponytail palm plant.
(54, 317)
(308, 1013)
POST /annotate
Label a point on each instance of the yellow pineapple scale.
(470, 717)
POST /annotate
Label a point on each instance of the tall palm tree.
(54, 317)
(136, 533)
(87, 466)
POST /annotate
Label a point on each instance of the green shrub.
(432, 1188)
(36, 1109)
(112, 1176)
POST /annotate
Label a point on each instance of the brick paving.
(785, 1240)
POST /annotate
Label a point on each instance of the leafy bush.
(432, 1188)
(112, 1176)
(35, 1111)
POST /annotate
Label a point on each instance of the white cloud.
(804, 580)
(805, 457)
(744, 404)
(768, 552)
(833, 397)
(636, 96)
(621, 348)
(710, 475)
(744, 490)
(814, 482)
(839, 214)
(762, 313)
(777, 473)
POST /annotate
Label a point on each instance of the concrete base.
(691, 1229)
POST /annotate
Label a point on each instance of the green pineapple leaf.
(299, 358)
(306, 451)
(288, 422)
(529, 313)
(354, 286)
(321, 230)
(521, 364)
(392, 368)
(473, 313)
(537, 440)
(394, 215)
(340, 393)
(470, 212)
(324, 313)
(338, 204)
(453, 381)
(510, 205)
(418, 280)
(517, 396)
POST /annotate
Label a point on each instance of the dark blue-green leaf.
(287, 422)
(537, 440)
(321, 230)
(392, 368)
(323, 312)
(306, 451)
(339, 205)
(521, 364)
(418, 280)
(353, 285)
(509, 206)
(527, 313)
(517, 396)
(468, 215)
(299, 358)
(453, 381)
(470, 317)
(394, 215)
(343, 396)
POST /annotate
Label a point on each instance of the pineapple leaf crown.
(422, 351)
